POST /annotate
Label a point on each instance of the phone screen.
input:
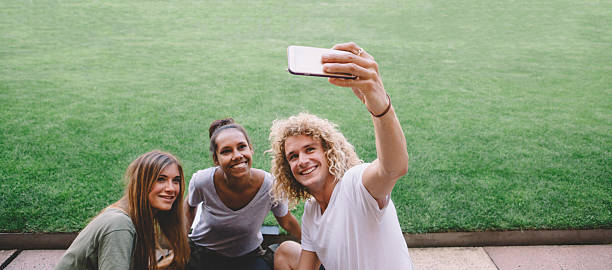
(307, 61)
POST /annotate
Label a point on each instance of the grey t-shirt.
(228, 232)
(106, 242)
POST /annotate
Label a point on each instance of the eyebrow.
(231, 146)
(308, 145)
(305, 146)
(163, 175)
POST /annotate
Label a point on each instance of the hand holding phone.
(307, 61)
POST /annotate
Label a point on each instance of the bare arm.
(392, 157)
(308, 261)
(290, 224)
(392, 162)
(190, 213)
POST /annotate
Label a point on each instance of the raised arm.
(392, 157)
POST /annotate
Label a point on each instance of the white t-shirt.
(354, 233)
(228, 232)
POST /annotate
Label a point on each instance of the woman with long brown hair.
(127, 233)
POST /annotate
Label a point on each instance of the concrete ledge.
(36, 240)
(451, 239)
(510, 238)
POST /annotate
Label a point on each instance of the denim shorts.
(204, 258)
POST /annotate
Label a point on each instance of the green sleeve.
(115, 250)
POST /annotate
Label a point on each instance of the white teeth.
(240, 165)
(309, 170)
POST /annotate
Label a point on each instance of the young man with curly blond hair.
(349, 220)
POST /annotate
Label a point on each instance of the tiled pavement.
(591, 257)
(35, 259)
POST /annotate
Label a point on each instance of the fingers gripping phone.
(307, 61)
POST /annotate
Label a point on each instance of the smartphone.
(307, 61)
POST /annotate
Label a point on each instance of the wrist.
(384, 112)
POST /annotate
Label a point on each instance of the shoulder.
(354, 173)
(113, 219)
(268, 178)
(267, 175)
(109, 221)
(203, 175)
(310, 207)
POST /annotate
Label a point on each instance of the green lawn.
(506, 105)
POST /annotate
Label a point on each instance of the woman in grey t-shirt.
(235, 201)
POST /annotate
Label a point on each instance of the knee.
(287, 255)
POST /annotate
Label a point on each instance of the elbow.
(398, 171)
(284, 224)
(397, 174)
(404, 168)
(403, 171)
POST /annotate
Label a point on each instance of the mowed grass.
(506, 105)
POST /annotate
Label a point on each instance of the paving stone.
(591, 257)
(5, 254)
(451, 258)
(36, 259)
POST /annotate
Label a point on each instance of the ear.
(215, 160)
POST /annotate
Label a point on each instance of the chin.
(307, 182)
(241, 172)
(163, 208)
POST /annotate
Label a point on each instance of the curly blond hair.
(339, 153)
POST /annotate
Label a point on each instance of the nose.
(170, 186)
(302, 161)
(236, 154)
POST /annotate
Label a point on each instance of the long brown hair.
(141, 174)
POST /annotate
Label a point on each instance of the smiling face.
(233, 154)
(306, 158)
(166, 188)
